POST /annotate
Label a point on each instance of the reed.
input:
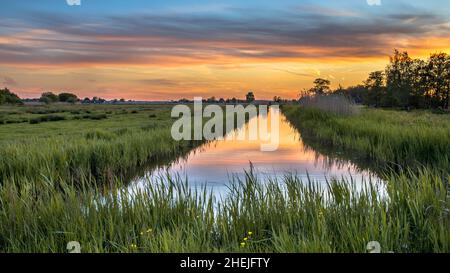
(410, 213)
(333, 103)
(387, 138)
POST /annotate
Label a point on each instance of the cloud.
(295, 73)
(229, 37)
(8, 81)
(161, 82)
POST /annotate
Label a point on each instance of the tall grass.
(275, 216)
(335, 103)
(49, 195)
(390, 139)
(99, 154)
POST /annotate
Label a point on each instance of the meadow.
(94, 142)
(54, 170)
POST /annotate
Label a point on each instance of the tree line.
(405, 83)
(7, 97)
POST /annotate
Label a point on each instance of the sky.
(172, 49)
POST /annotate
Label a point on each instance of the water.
(213, 164)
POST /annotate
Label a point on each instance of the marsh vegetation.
(64, 180)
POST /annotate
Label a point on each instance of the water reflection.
(213, 164)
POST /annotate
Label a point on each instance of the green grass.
(74, 142)
(52, 189)
(385, 138)
(282, 216)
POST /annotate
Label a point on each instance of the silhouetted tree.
(48, 97)
(68, 97)
(357, 94)
(7, 96)
(399, 80)
(321, 87)
(250, 97)
(375, 88)
(439, 78)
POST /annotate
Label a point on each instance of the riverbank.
(41, 211)
(376, 138)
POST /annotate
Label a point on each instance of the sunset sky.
(170, 49)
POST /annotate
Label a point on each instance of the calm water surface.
(213, 164)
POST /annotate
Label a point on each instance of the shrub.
(46, 118)
(97, 116)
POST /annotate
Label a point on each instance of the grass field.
(47, 197)
(85, 141)
(383, 139)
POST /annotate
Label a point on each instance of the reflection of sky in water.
(214, 163)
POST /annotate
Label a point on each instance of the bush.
(43, 111)
(47, 118)
(95, 116)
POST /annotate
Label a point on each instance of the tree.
(48, 97)
(67, 97)
(321, 87)
(211, 100)
(420, 97)
(375, 88)
(357, 94)
(439, 78)
(250, 97)
(399, 80)
(7, 96)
